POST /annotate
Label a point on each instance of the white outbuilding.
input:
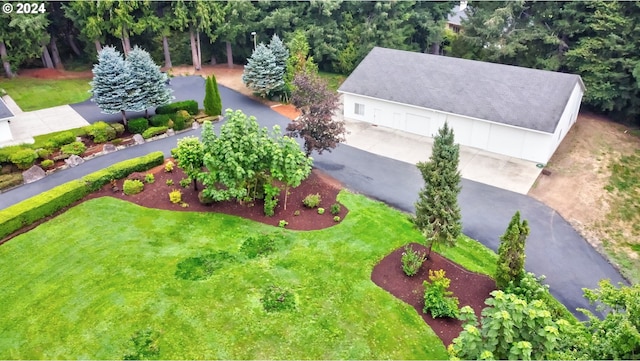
(519, 112)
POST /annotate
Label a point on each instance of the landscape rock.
(170, 132)
(108, 148)
(195, 125)
(138, 139)
(74, 160)
(33, 174)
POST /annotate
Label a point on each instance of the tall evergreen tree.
(262, 74)
(279, 50)
(208, 101)
(109, 81)
(437, 211)
(146, 84)
(217, 100)
(511, 252)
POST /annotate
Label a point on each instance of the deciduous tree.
(437, 211)
(511, 252)
(316, 126)
(190, 157)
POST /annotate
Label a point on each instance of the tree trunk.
(124, 117)
(213, 60)
(126, 45)
(46, 58)
(286, 195)
(72, 44)
(194, 51)
(195, 185)
(55, 54)
(167, 54)
(199, 50)
(98, 46)
(435, 48)
(5, 60)
(229, 55)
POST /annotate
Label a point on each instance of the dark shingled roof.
(521, 97)
(5, 112)
(456, 16)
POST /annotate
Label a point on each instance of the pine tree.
(109, 80)
(279, 50)
(262, 74)
(148, 88)
(437, 211)
(208, 101)
(511, 252)
(217, 100)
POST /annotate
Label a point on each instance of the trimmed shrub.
(412, 260)
(10, 180)
(335, 209)
(101, 132)
(190, 106)
(282, 223)
(149, 178)
(43, 153)
(153, 131)
(61, 139)
(180, 119)
(76, 148)
(312, 200)
(6, 152)
(132, 186)
(437, 298)
(336, 219)
(24, 158)
(46, 203)
(320, 210)
(119, 128)
(175, 196)
(168, 167)
(160, 120)
(138, 125)
(46, 164)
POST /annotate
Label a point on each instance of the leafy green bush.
(180, 119)
(119, 128)
(24, 158)
(6, 152)
(10, 180)
(320, 210)
(336, 219)
(138, 125)
(528, 287)
(437, 299)
(168, 167)
(48, 202)
(102, 132)
(169, 182)
(312, 200)
(153, 131)
(190, 106)
(282, 223)
(271, 194)
(201, 268)
(43, 153)
(184, 182)
(260, 245)
(276, 299)
(76, 148)
(61, 139)
(149, 178)
(160, 120)
(46, 164)
(132, 186)
(335, 209)
(175, 196)
(143, 346)
(412, 260)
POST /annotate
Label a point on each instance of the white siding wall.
(493, 137)
(568, 118)
(5, 131)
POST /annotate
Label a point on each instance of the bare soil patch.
(47, 73)
(472, 289)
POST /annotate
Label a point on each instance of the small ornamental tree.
(263, 74)
(217, 100)
(437, 211)
(209, 94)
(511, 252)
(510, 329)
(316, 126)
(288, 163)
(109, 80)
(190, 157)
(299, 60)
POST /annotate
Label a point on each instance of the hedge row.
(189, 105)
(45, 204)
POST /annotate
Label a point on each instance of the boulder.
(33, 174)
(74, 160)
(195, 125)
(170, 132)
(108, 148)
(138, 139)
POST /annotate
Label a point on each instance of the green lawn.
(33, 94)
(82, 284)
(334, 80)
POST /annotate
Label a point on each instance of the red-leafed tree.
(316, 125)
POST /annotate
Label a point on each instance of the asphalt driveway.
(553, 249)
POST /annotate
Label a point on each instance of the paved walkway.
(25, 125)
(553, 248)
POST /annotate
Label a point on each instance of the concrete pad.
(26, 125)
(498, 170)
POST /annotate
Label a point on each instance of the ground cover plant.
(34, 94)
(106, 269)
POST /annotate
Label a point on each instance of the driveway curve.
(554, 248)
